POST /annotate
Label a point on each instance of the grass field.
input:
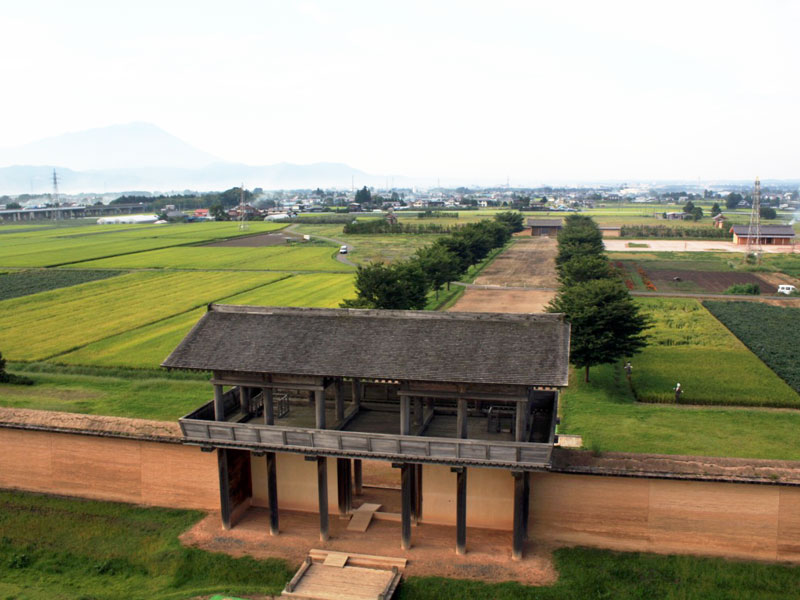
(148, 346)
(605, 412)
(42, 325)
(58, 246)
(688, 345)
(57, 548)
(272, 258)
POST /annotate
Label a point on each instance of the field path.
(342, 258)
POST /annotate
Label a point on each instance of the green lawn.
(271, 258)
(609, 418)
(43, 325)
(148, 346)
(688, 345)
(57, 548)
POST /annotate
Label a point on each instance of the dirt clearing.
(503, 301)
(527, 263)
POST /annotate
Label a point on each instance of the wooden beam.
(272, 493)
(224, 488)
(269, 406)
(461, 509)
(465, 394)
(519, 500)
(405, 514)
(322, 493)
(219, 403)
(319, 408)
(461, 420)
(275, 384)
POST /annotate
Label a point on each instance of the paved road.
(342, 258)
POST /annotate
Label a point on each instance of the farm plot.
(769, 331)
(688, 345)
(273, 258)
(59, 246)
(43, 325)
(148, 346)
(23, 283)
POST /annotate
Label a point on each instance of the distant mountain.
(130, 146)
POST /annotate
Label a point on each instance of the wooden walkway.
(328, 575)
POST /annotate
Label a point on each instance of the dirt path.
(342, 258)
(503, 301)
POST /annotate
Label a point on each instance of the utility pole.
(54, 197)
(754, 229)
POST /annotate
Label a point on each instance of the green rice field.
(272, 258)
(687, 345)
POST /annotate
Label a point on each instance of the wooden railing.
(254, 436)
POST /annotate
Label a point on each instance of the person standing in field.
(678, 391)
(628, 368)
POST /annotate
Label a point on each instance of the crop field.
(643, 276)
(769, 331)
(273, 258)
(688, 345)
(42, 325)
(57, 246)
(23, 283)
(148, 346)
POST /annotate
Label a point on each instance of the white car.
(343, 250)
(786, 289)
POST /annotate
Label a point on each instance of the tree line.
(606, 323)
(384, 226)
(404, 285)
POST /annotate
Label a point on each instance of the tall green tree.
(580, 236)
(715, 210)
(582, 268)
(364, 196)
(401, 286)
(512, 219)
(439, 265)
(732, 200)
(606, 323)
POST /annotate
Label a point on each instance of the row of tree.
(404, 285)
(606, 323)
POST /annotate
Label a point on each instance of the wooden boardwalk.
(327, 575)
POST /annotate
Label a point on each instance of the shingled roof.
(545, 223)
(527, 349)
(765, 230)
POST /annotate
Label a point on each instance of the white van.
(343, 250)
(786, 289)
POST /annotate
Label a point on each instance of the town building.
(548, 227)
(770, 235)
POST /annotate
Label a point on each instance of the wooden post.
(418, 418)
(344, 485)
(269, 406)
(322, 491)
(405, 416)
(520, 429)
(519, 501)
(461, 421)
(244, 399)
(461, 509)
(357, 391)
(337, 390)
(224, 488)
(319, 406)
(311, 397)
(272, 493)
(405, 483)
(417, 492)
(357, 476)
(219, 404)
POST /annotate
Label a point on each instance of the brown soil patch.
(258, 241)
(708, 281)
(530, 262)
(432, 550)
(499, 301)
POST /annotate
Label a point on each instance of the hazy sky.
(538, 91)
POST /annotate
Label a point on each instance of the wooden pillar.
(405, 415)
(461, 421)
(405, 517)
(322, 491)
(417, 492)
(461, 509)
(337, 390)
(244, 399)
(272, 493)
(357, 391)
(311, 397)
(519, 511)
(219, 404)
(418, 417)
(344, 480)
(224, 488)
(520, 429)
(269, 406)
(319, 407)
(357, 476)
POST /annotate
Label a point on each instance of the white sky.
(538, 91)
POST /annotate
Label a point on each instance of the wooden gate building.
(412, 388)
